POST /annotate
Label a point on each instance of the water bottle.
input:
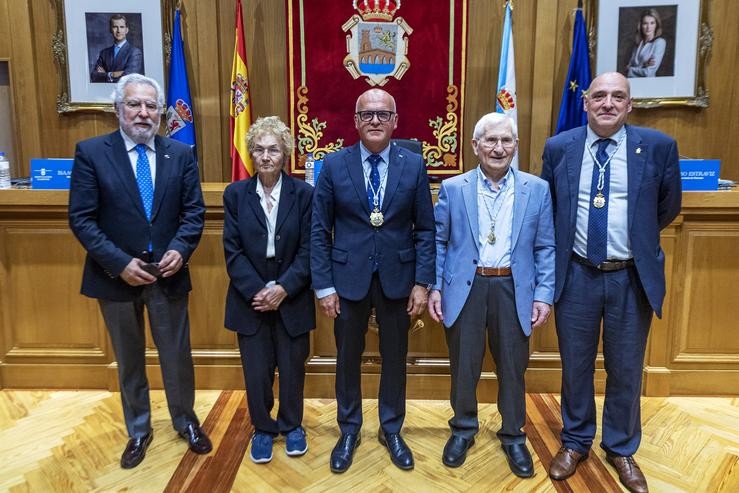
(309, 169)
(4, 172)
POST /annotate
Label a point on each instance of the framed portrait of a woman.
(660, 45)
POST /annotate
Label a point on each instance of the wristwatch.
(427, 286)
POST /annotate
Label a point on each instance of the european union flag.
(180, 120)
(571, 113)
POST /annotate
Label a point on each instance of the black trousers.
(350, 328)
(490, 310)
(270, 348)
(170, 329)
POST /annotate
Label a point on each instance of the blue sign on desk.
(700, 174)
(51, 174)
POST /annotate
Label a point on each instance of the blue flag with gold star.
(571, 112)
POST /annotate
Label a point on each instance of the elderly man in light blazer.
(494, 281)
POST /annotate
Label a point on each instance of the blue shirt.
(497, 204)
(618, 246)
(382, 168)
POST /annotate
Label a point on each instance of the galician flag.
(506, 101)
(241, 165)
(180, 120)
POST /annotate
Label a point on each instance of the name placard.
(51, 174)
(700, 174)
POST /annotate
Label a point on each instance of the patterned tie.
(143, 180)
(598, 217)
(374, 179)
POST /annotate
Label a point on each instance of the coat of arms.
(376, 44)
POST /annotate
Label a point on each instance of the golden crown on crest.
(376, 9)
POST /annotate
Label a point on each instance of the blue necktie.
(374, 180)
(143, 180)
(116, 49)
(598, 217)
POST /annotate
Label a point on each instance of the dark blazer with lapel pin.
(405, 242)
(245, 246)
(654, 198)
(130, 60)
(107, 216)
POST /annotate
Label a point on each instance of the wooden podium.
(53, 337)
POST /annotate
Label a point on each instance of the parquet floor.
(70, 441)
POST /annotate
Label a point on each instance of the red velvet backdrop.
(423, 44)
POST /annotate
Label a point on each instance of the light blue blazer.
(457, 249)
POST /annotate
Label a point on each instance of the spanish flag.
(241, 165)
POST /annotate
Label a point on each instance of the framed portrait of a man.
(660, 45)
(100, 41)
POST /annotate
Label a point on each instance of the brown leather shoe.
(565, 463)
(629, 473)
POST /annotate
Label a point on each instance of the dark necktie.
(374, 181)
(143, 180)
(598, 216)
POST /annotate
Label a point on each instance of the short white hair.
(493, 119)
(126, 80)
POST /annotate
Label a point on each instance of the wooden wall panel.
(51, 336)
(710, 288)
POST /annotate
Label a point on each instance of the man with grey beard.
(136, 207)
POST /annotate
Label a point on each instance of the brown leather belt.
(607, 266)
(493, 271)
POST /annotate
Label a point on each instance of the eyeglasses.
(135, 104)
(492, 142)
(382, 116)
(271, 151)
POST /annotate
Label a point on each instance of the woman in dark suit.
(266, 239)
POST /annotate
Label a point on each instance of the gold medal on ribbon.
(376, 218)
(599, 201)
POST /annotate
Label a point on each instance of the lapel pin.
(638, 150)
(167, 155)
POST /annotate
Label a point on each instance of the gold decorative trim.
(310, 132)
(443, 153)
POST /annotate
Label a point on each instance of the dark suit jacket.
(245, 246)
(130, 60)
(654, 197)
(404, 244)
(107, 216)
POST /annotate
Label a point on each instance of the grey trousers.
(490, 310)
(170, 329)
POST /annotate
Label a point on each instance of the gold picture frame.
(82, 33)
(679, 77)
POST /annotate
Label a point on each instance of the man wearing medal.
(494, 283)
(372, 246)
(614, 187)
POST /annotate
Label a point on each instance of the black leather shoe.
(196, 438)
(455, 450)
(400, 454)
(343, 452)
(136, 451)
(519, 459)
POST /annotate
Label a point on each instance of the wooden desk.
(52, 337)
